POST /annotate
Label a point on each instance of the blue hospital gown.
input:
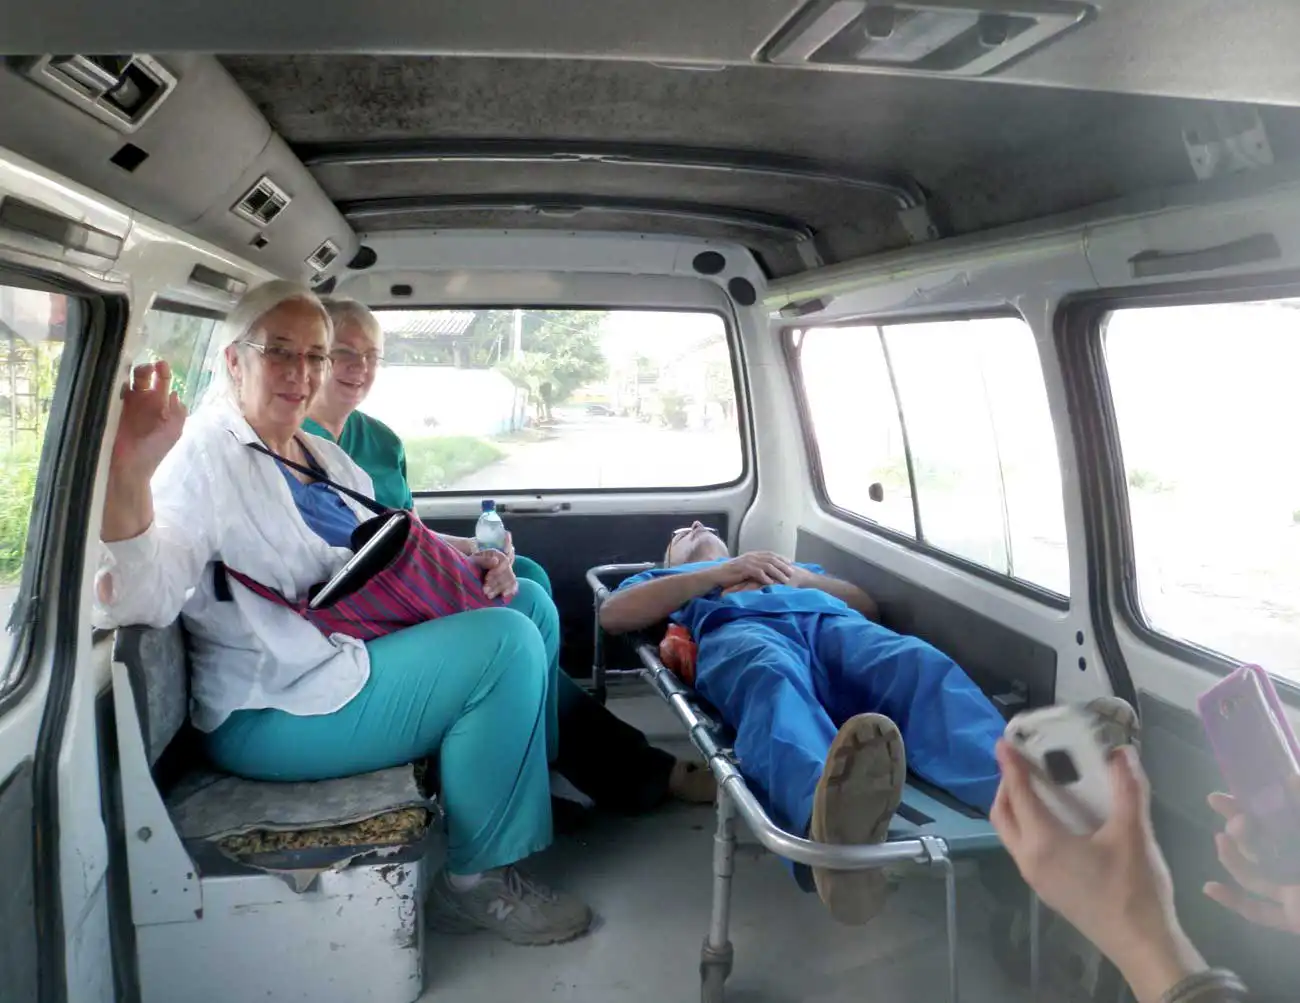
(785, 667)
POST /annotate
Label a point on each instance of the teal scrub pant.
(477, 690)
(526, 569)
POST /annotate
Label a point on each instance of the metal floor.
(648, 881)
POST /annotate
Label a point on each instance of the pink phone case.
(1257, 753)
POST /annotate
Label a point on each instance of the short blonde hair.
(349, 311)
(240, 322)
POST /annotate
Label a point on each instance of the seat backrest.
(158, 667)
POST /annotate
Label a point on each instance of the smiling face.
(278, 368)
(356, 354)
(696, 542)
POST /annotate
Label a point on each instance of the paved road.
(611, 453)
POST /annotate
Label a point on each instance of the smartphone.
(1258, 756)
(1068, 758)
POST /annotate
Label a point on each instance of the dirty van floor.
(648, 880)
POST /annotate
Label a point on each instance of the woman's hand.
(499, 580)
(1114, 885)
(1253, 896)
(151, 422)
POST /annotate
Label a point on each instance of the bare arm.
(462, 543)
(650, 602)
(846, 592)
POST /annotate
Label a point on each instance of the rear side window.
(554, 400)
(35, 326)
(1206, 410)
(940, 431)
(180, 338)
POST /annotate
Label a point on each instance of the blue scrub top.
(710, 611)
(324, 512)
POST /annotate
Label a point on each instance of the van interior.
(990, 307)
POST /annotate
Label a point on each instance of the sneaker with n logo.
(511, 905)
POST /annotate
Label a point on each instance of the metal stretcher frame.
(735, 799)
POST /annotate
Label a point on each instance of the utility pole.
(517, 337)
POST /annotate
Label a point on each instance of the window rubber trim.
(739, 378)
(1020, 587)
(1111, 563)
(68, 470)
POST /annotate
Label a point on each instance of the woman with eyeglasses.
(605, 758)
(275, 698)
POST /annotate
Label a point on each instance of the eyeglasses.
(679, 533)
(284, 358)
(351, 357)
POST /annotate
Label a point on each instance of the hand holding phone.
(1259, 758)
(1068, 760)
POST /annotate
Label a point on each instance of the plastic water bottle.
(490, 533)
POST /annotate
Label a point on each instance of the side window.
(855, 424)
(1206, 409)
(181, 338)
(941, 431)
(551, 400)
(34, 328)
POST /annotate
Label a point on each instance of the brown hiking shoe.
(860, 789)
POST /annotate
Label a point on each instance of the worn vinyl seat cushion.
(280, 825)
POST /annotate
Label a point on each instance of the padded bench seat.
(279, 826)
(209, 856)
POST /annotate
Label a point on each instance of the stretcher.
(928, 830)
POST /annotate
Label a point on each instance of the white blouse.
(215, 499)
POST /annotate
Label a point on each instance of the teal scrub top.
(377, 450)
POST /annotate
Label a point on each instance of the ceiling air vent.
(261, 203)
(323, 256)
(953, 37)
(122, 90)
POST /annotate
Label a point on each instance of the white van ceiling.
(803, 166)
(657, 118)
(1221, 49)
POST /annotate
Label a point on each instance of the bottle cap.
(488, 505)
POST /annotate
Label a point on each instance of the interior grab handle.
(535, 509)
(1247, 251)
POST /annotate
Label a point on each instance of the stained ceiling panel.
(986, 155)
(1221, 49)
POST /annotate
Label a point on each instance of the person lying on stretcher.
(822, 699)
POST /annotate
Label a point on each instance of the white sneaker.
(511, 905)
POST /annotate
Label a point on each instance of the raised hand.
(151, 423)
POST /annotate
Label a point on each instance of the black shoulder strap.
(317, 472)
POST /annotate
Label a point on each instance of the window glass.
(544, 400)
(34, 327)
(975, 420)
(855, 423)
(181, 339)
(1205, 403)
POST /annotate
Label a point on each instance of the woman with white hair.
(275, 698)
(604, 757)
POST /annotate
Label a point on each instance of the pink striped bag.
(414, 576)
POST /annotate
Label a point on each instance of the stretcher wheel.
(713, 982)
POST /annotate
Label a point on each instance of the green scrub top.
(377, 450)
